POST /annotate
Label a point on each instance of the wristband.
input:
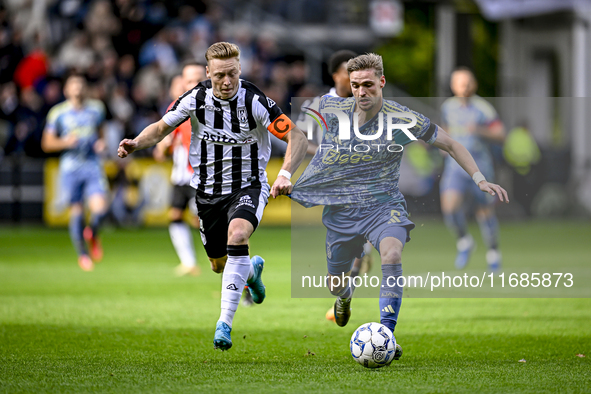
(478, 177)
(284, 173)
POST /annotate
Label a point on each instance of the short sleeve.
(266, 111)
(423, 129)
(268, 114)
(180, 111)
(51, 124)
(488, 113)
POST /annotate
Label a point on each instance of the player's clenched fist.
(282, 186)
(126, 147)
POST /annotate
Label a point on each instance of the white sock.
(182, 240)
(250, 272)
(233, 280)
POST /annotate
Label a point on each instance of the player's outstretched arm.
(162, 148)
(149, 136)
(297, 145)
(52, 143)
(466, 161)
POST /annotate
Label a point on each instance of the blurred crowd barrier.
(140, 194)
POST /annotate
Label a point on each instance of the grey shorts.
(349, 228)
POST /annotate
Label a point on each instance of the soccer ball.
(373, 345)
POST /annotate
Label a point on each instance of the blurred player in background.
(472, 121)
(177, 143)
(342, 88)
(360, 192)
(74, 129)
(337, 66)
(230, 147)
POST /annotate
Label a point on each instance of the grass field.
(131, 326)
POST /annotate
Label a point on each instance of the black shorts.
(181, 196)
(215, 214)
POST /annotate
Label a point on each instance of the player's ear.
(207, 72)
(382, 81)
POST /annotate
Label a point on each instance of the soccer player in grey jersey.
(230, 146)
(358, 184)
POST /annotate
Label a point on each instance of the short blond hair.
(222, 50)
(366, 62)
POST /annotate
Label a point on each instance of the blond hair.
(222, 50)
(366, 62)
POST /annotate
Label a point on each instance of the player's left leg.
(391, 290)
(97, 204)
(455, 219)
(390, 235)
(489, 229)
(96, 191)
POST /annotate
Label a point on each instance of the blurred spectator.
(31, 68)
(28, 118)
(126, 70)
(159, 50)
(100, 20)
(76, 53)
(30, 18)
(128, 49)
(11, 52)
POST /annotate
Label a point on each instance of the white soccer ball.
(373, 345)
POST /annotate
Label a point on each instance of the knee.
(391, 256)
(484, 213)
(238, 235)
(76, 209)
(217, 265)
(175, 215)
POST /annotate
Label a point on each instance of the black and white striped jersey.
(230, 141)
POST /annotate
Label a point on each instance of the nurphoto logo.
(345, 129)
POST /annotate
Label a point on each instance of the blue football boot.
(222, 339)
(493, 259)
(255, 284)
(466, 246)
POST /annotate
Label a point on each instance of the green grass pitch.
(131, 326)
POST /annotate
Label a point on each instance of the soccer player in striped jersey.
(230, 146)
(178, 143)
(356, 179)
(473, 122)
(74, 129)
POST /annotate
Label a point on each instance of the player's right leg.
(236, 274)
(243, 210)
(341, 251)
(97, 203)
(95, 188)
(344, 243)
